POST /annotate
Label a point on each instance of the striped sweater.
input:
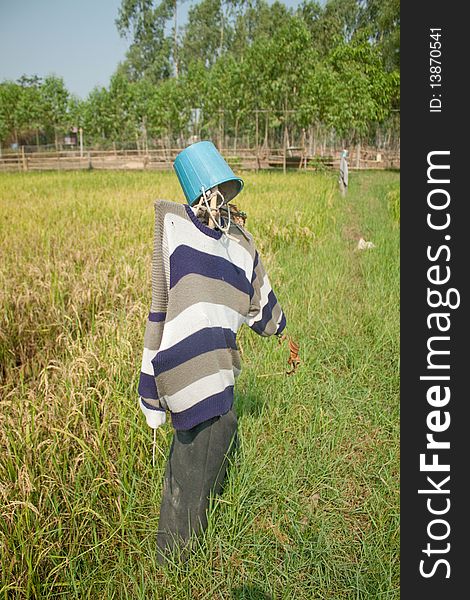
(205, 285)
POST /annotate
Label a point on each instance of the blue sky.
(74, 39)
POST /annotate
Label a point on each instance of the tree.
(54, 97)
(254, 21)
(206, 34)
(122, 106)
(381, 19)
(151, 51)
(31, 109)
(75, 111)
(97, 115)
(332, 65)
(9, 98)
(335, 22)
(354, 88)
(22, 111)
(226, 100)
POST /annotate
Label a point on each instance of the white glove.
(155, 418)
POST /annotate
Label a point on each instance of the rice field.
(310, 509)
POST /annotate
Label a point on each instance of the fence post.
(23, 159)
(284, 158)
(303, 159)
(256, 143)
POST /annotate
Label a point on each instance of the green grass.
(311, 505)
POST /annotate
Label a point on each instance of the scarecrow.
(207, 280)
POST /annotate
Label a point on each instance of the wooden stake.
(23, 158)
(213, 207)
(256, 143)
(213, 211)
(284, 153)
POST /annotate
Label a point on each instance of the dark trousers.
(195, 470)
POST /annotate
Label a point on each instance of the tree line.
(236, 68)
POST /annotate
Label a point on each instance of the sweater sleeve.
(265, 316)
(148, 391)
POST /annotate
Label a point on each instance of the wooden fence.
(162, 159)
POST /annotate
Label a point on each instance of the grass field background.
(311, 505)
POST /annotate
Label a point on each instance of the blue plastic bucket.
(200, 167)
